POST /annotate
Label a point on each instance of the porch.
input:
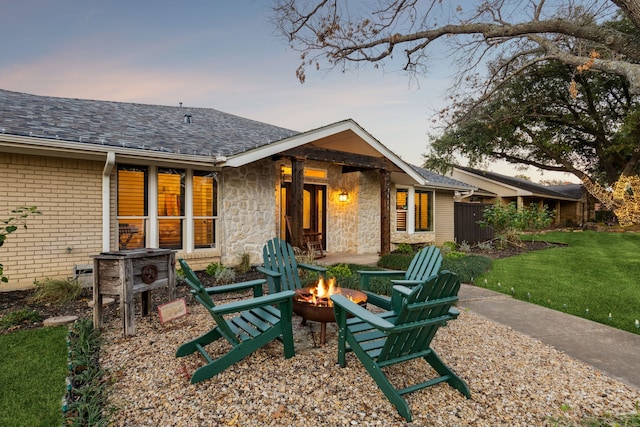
(348, 258)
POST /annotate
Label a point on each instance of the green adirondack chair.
(281, 267)
(258, 321)
(399, 336)
(424, 264)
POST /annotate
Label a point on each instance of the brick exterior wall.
(68, 193)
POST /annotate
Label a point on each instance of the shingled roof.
(207, 132)
(436, 179)
(523, 184)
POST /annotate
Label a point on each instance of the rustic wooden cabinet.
(130, 272)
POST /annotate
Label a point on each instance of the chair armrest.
(246, 304)
(398, 294)
(274, 279)
(408, 283)
(403, 290)
(340, 302)
(256, 285)
(268, 272)
(315, 268)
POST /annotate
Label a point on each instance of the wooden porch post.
(296, 201)
(385, 212)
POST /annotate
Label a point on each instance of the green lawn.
(32, 377)
(597, 274)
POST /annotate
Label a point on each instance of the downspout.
(106, 200)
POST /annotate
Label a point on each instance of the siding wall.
(444, 226)
(68, 193)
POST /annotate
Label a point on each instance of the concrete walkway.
(613, 351)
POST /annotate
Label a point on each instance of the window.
(414, 210)
(170, 208)
(402, 199)
(423, 210)
(205, 208)
(166, 208)
(132, 206)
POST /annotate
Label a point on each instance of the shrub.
(395, 261)
(486, 246)
(245, 262)
(56, 291)
(509, 222)
(404, 248)
(467, 267)
(225, 275)
(339, 270)
(464, 246)
(455, 254)
(10, 225)
(213, 268)
(447, 247)
(18, 317)
(180, 278)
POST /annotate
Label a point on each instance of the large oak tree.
(511, 35)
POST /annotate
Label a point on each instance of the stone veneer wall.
(369, 213)
(68, 193)
(248, 211)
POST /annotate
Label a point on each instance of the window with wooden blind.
(205, 208)
(170, 207)
(402, 197)
(132, 206)
(423, 210)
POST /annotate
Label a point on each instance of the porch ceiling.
(348, 142)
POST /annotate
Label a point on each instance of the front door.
(314, 212)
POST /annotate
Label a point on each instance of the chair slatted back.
(425, 263)
(424, 310)
(279, 256)
(200, 294)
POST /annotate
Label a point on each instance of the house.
(213, 186)
(571, 202)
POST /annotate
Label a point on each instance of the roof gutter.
(92, 151)
(106, 200)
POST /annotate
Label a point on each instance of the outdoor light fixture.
(343, 196)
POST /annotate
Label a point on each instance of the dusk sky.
(221, 54)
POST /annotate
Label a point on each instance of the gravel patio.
(515, 380)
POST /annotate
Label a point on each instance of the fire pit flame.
(320, 295)
(314, 303)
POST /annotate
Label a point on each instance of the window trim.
(411, 210)
(430, 209)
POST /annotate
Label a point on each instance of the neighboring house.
(571, 202)
(213, 186)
